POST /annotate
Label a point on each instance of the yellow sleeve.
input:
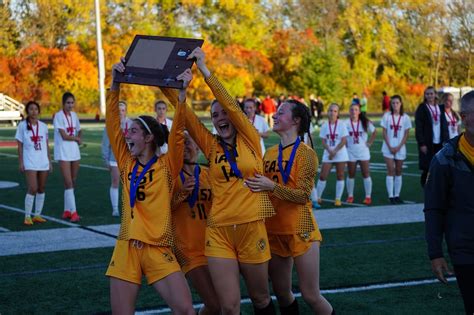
(176, 140)
(203, 137)
(307, 168)
(112, 124)
(237, 116)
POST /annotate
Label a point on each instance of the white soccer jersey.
(65, 150)
(357, 140)
(262, 126)
(395, 127)
(35, 145)
(453, 125)
(333, 134)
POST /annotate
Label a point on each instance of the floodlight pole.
(100, 58)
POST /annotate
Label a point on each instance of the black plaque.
(157, 60)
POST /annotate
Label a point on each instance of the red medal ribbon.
(452, 119)
(355, 132)
(332, 134)
(70, 128)
(125, 130)
(35, 137)
(396, 126)
(435, 114)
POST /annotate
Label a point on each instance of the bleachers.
(10, 110)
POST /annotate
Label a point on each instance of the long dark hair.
(365, 121)
(27, 106)
(299, 110)
(401, 101)
(160, 132)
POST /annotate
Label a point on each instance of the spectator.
(385, 102)
(431, 130)
(320, 106)
(363, 104)
(355, 99)
(257, 121)
(449, 207)
(268, 109)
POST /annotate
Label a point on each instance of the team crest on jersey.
(112, 264)
(168, 257)
(261, 245)
(208, 243)
(305, 236)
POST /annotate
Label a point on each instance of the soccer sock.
(339, 189)
(267, 310)
(70, 200)
(39, 203)
(66, 203)
(29, 199)
(114, 198)
(398, 185)
(389, 184)
(368, 187)
(350, 186)
(320, 188)
(314, 194)
(291, 309)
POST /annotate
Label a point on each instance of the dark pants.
(465, 278)
(424, 174)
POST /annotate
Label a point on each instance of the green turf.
(74, 281)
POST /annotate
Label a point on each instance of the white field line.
(387, 285)
(4, 229)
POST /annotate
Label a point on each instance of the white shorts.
(341, 156)
(359, 155)
(400, 155)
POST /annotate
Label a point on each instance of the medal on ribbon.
(231, 159)
(135, 182)
(194, 195)
(285, 172)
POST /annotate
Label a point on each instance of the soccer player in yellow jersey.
(290, 169)
(192, 200)
(145, 238)
(236, 238)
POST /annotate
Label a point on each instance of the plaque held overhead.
(157, 60)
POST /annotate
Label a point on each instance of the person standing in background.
(257, 121)
(431, 130)
(385, 102)
(449, 207)
(67, 138)
(268, 108)
(452, 118)
(363, 104)
(34, 160)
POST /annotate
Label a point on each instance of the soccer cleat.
(367, 201)
(392, 201)
(28, 221)
(337, 203)
(350, 199)
(75, 217)
(398, 200)
(66, 214)
(38, 219)
(315, 205)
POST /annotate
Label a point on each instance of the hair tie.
(144, 124)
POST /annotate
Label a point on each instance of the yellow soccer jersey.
(233, 203)
(189, 224)
(150, 219)
(292, 200)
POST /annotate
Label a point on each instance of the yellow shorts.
(188, 260)
(246, 242)
(292, 245)
(133, 258)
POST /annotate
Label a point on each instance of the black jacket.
(449, 205)
(424, 133)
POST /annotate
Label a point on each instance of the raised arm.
(233, 110)
(112, 121)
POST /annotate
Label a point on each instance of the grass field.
(73, 281)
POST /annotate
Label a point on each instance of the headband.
(144, 124)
